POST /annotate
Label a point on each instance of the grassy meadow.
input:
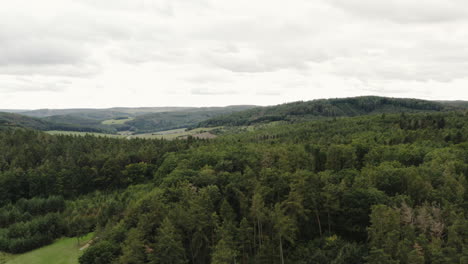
(175, 133)
(76, 133)
(167, 134)
(116, 121)
(63, 251)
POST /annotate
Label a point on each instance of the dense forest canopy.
(384, 188)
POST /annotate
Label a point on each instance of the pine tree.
(224, 252)
(284, 226)
(226, 249)
(134, 250)
(416, 256)
(168, 248)
(378, 256)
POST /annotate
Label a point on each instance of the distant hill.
(135, 120)
(13, 110)
(179, 119)
(458, 104)
(316, 109)
(17, 120)
(153, 119)
(81, 122)
(100, 114)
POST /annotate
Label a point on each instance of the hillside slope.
(17, 120)
(132, 120)
(179, 119)
(316, 109)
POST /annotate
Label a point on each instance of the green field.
(76, 133)
(116, 121)
(175, 133)
(63, 251)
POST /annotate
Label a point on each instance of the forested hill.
(179, 119)
(112, 120)
(17, 120)
(98, 114)
(329, 108)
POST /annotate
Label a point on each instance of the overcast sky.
(104, 53)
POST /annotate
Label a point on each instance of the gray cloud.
(52, 70)
(39, 52)
(273, 58)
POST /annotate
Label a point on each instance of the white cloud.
(407, 11)
(12, 84)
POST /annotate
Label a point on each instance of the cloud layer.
(85, 53)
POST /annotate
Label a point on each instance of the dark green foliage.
(134, 250)
(24, 210)
(25, 236)
(302, 111)
(17, 120)
(168, 247)
(77, 123)
(35, 164)
(90, 120)
(367, 189)
(180, 119)
(104, 252)
(29, 224)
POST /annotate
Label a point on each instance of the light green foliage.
(378, 256)
(223, 252)
(119, 121)
(134, 250)
(76, 133)
(175, 133)
(168, 248)
(63, 251)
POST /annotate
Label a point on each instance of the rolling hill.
(100, 114)
(113, 120)
(179, 119)
(154, 119)
(17, 120)
(316, 109)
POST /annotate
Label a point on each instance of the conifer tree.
(168, 248)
